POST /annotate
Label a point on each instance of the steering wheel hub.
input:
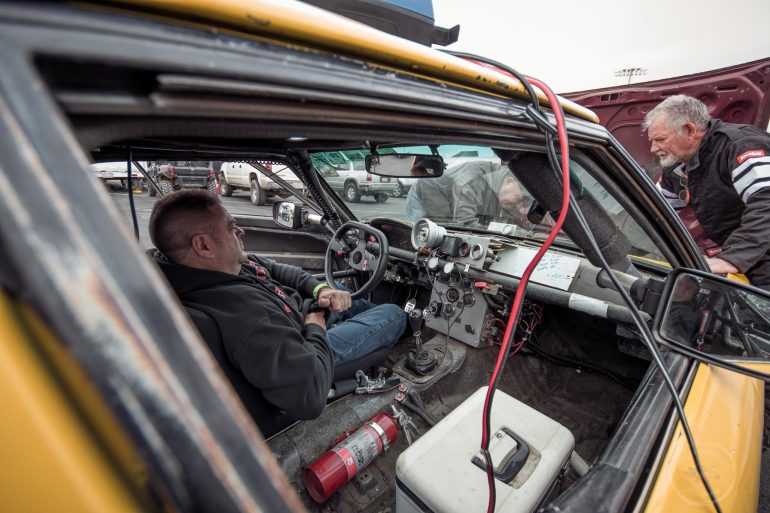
(363, 248)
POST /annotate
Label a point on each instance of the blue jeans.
(363, 328)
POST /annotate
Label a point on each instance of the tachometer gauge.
(427, 234)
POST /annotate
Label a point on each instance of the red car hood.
(737, 94)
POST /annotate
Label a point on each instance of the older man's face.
(672, 145)
(227, 237)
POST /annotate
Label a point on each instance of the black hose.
(647, 337)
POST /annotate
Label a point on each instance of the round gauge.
(433, 263)
(427, 234)
(477, 252)
(452, 294)
(449, 267)
(464, 249)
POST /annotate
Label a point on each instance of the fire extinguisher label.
(358, 450)
(348, 460)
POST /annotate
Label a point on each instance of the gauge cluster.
(464, 249)
(458, 309)
(457, 306)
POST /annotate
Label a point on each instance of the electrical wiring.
(647, 337)
(531, 317)
(534, 349)
(448, 329)
(513, 320)
(567, 201)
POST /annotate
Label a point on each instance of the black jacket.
(729, 184)
(280, 367)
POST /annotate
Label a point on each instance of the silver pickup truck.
(350, 179)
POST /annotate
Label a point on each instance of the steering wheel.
(351, 242)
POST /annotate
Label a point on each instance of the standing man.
(724, 176)
(279, 359)
(472, 193)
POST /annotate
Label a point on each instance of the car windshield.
(477, 190)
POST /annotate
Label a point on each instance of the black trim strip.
(412, 496)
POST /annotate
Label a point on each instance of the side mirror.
(714, 315)
(405, 165)
(287, 214)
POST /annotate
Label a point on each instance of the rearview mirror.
(405, 165)
(714, 315)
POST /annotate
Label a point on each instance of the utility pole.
(630, 72)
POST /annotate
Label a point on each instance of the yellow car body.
(64, 447)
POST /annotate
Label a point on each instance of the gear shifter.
(420, 360)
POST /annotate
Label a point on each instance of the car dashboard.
(471, 276)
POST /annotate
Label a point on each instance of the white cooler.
(437, 472)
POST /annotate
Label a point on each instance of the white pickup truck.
(257, 178)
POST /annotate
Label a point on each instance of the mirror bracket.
(648, 293)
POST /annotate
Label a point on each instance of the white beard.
(668, 160)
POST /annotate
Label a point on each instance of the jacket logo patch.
(258, 270)
(751, 154)
(712, 252)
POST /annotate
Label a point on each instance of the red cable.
(521, 289)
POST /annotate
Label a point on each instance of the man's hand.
(334, 300)
(719, 266)
(316, 318)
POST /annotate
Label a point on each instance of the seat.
(269, 418)
(348, 370)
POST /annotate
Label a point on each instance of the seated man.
(286, 357)
(471, 193)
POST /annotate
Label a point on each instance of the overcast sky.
(582, 44)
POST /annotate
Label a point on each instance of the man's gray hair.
(678, 110)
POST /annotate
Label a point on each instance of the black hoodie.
(281, 367)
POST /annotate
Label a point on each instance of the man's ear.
(201, 246)
(690, 129)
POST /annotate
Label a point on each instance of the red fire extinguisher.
(340, 464)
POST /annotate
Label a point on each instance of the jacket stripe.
(740, 171)
(757, 185)
(671, 198)
(755, 174)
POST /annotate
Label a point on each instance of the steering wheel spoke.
(336, 246)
